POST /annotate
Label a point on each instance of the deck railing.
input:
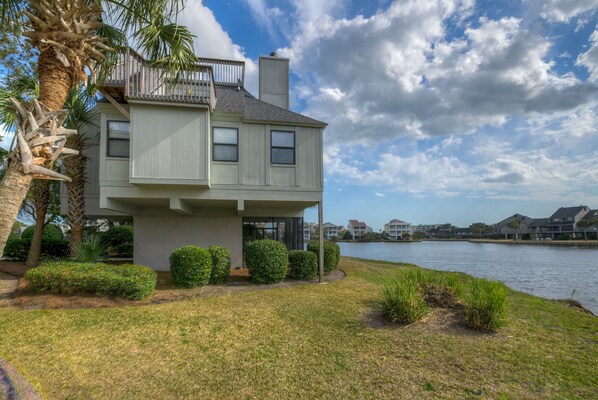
(142, 81)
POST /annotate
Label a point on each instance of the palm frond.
(154, 33)
(11, 10)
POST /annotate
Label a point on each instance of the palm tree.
(584, 224)
(515, 225)
(73, 41)
(80, 105)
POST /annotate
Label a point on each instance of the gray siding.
(169, 145)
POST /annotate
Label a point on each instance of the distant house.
(564, 220)
(395, 229)
(357, 229)
(502, 228)
(330, 231)
(307, 231)
(538, 229)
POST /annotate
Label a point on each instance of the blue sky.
(439, 111)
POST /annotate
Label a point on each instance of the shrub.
(331, 254)
(485, 304)
(220, 264)
(267, 260)
(55, 248)
(51, 232)
(119, 240)
(402, 302)
(90, 250)
(304, 264)
(16, 249)
(19, 248)
(129, 281)
(190, 266)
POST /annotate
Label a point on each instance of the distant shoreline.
(587, 243)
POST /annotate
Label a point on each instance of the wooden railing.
(141, 81)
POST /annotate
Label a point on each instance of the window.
(225, 144)
(119, 134)
(283, 147)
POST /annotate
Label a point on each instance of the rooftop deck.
(134, 78)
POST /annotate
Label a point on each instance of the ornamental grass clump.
(129, 281)
(485, 304)
(190, 266)
(267, 260)
(220, 264)
(304, 265)
(402, 302)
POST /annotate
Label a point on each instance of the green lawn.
(305, 341)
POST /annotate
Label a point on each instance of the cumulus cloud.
(398, 73)
(214, 42)
(589, 59)
(563, 10)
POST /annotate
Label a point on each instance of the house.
(502, 228)
(395, 229)
(331, 231)
(538, 229)
(357, 229)
(564, 220)
(307, 227)
(199, 160)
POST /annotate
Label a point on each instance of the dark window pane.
(119, 129)
(225, 153)
(283, 139)
(118, 148)
(283, 156)
(225, 136)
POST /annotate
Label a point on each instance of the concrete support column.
(321, 238)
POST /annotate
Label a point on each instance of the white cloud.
(264, 15)
(214, 42)
(563, 10)
(378, 194)
(6, 137)
(589, 59)
(398, 73)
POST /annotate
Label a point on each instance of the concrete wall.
(158, 236)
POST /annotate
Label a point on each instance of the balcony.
(134, 78)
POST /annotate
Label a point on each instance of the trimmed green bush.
(402, 302)
(331, 254)
(220, 264)
(267, 260)
(51, 232)
(304, 264)
(129, 281)
(119, 240)
(190, 266)
(486, 304)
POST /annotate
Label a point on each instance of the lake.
(546, 271)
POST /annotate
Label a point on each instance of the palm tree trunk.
(55, 80)
(13, 189)
(36, 241)
(75, 169)
(39, 193)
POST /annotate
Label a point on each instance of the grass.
(300, 342)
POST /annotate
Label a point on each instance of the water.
(546, 271)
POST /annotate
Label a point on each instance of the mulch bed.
(166, 291)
